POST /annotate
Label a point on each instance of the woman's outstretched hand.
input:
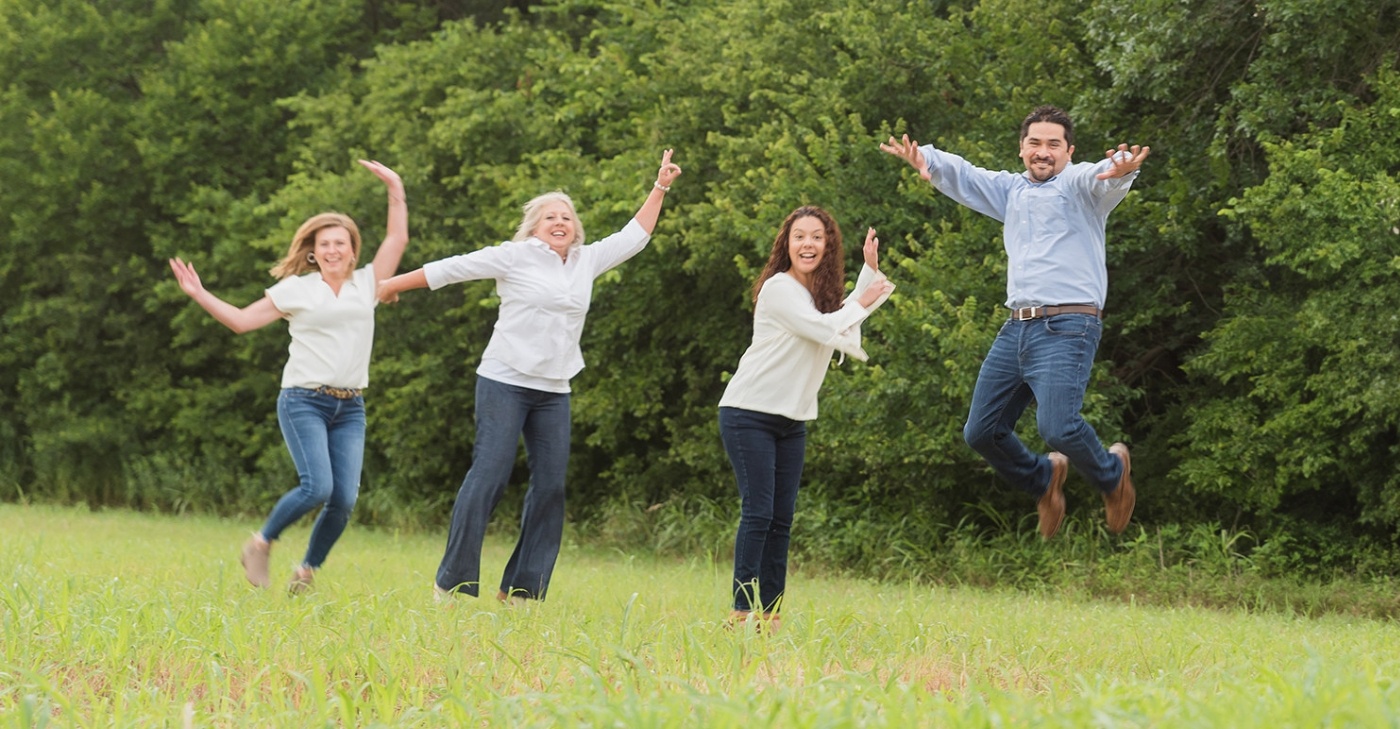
(881, 285)
(872, 250)
(389, 177)
(186, 276)
(386, 293)
(669, 170)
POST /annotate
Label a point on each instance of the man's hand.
(1125, 161)
(908, 151)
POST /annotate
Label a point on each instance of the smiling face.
(557, 225)
(1045, 151)
(334, 251)
(806, 247)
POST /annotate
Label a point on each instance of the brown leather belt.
(1040, 312)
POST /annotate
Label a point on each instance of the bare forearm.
(651, 209)
(386, 259)
(665, 177)
(403, 282)
(254, 316)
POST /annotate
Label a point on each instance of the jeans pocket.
(1072, 325)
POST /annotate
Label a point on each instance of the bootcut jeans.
(503, 414)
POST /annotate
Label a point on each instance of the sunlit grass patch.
(137, 620)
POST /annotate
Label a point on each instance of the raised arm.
(256, 315)
(651, 209)
(386, 259)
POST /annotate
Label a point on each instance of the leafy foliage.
(1246, 355)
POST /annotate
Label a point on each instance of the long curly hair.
(828, 280)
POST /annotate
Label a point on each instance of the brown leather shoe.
(1052, 503)
(1120, 501)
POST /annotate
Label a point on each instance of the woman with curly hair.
(799, 320)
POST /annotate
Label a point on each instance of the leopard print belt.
(340, 393)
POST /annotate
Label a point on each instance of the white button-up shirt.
(543, 302)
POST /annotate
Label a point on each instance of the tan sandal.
(303, 579)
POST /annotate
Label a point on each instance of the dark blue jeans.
(766, 452)
(1048, 360)
(503, 413)
(326, 437)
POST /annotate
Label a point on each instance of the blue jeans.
(326, 437)
(503, 413)
(767, 453)
(1047, 360)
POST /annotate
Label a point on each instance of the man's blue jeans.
(1047, 360)
(767, 453)
(503, 413)
(326, 437)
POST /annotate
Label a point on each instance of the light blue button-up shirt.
(1053, 230)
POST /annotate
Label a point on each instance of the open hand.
(908, 150)
(389, 177)
(186, 276)
(1125, 161)
(872, 250)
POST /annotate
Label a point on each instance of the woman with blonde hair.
(544, 277)
(799, 320)
(329, 307)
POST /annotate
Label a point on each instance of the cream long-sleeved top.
(785, 364)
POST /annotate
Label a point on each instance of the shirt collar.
(537, 242)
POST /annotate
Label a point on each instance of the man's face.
(1045, 151)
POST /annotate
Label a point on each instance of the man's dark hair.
(1052, 114)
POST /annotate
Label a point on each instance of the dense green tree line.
(1249, 355)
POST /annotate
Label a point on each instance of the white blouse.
(331, 334)
(543, 302)
(784, 366)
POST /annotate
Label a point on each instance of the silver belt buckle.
(1031, 313)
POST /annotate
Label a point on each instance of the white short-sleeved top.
(331, 335)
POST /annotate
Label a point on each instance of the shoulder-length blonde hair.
(296, 262)
(534, 211)
(828, 280)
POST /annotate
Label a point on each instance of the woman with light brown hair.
(329, 306)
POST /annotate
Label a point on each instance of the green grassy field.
(122, 619)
